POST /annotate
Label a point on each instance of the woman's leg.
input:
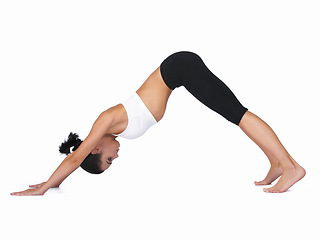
(188, 69)
(259, 132)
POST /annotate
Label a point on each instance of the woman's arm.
(105, 121)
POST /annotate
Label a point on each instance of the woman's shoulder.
(117, 117)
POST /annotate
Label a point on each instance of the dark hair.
(91, 163)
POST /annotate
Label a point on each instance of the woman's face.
(108, 147)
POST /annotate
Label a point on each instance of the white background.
(189, 177)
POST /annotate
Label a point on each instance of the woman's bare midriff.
(155, 94)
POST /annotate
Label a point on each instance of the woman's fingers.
(28, 192)
(37, 185)
(34, 190)
(40, 185)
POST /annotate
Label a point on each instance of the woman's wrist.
(43, 189)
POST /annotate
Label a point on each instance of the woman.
(147, 107)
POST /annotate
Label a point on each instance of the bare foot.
(289, 177)
(273, 174)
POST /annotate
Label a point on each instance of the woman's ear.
(95, 151)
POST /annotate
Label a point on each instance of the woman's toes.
(261, 183)
(268, 190)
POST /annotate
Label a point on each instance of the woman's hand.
(37, 185)
(34, 190)
(40, 185)
(29, 192)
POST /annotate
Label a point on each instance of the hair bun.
(72, 141)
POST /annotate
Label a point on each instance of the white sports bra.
(139, 117)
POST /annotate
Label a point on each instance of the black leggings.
(187, 69)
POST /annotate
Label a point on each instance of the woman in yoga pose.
(146, 107)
